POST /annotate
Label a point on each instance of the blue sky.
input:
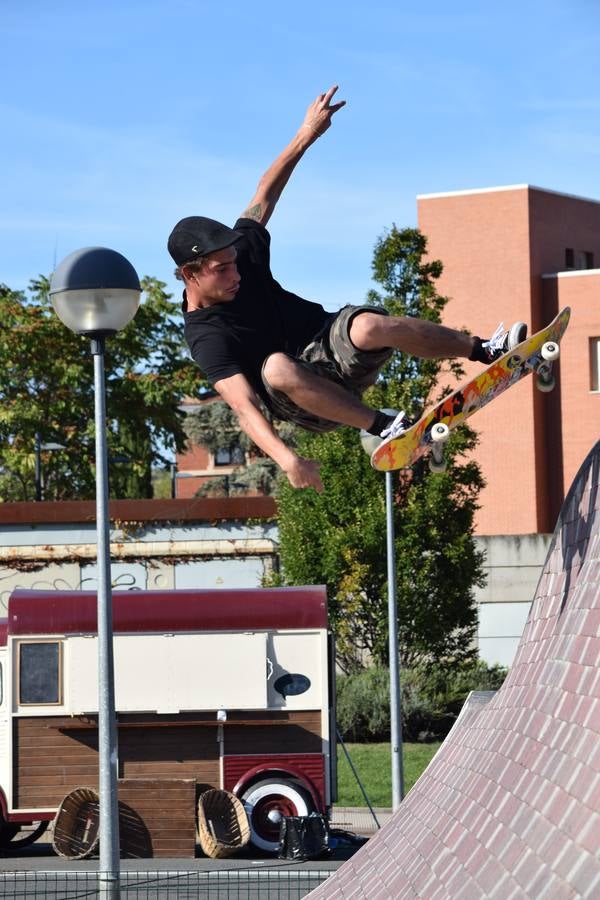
(119, 118)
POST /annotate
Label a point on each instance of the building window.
(595, 364)
(578, 259)
(230, 456)
(40, 673)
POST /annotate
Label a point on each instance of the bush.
(431, 700)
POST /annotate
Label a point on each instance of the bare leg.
(371, 331)
(316, 395)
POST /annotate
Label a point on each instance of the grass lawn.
(373, 764)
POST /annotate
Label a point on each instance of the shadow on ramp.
(509, 806)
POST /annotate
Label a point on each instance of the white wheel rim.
(440, 432)
(254, 803)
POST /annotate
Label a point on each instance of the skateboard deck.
(432, 429)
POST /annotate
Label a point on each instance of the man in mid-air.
(258, 344)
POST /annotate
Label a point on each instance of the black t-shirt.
(236, 337)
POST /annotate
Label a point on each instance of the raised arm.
(316, 122)
(237, 392)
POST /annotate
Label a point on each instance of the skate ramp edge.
(508, 807)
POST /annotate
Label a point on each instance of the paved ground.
(359, 819)
(40, 857)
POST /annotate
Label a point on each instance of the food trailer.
(231, 688)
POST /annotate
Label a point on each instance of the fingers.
(318, 485)
(327, 97)
(324, 100)
(312, 478)
(305, 474)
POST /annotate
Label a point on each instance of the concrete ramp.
(510, 805)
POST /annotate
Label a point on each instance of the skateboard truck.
(439, 435)
(545, 380)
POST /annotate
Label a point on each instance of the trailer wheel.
(267, 802)
(7, 831)
(25, 835)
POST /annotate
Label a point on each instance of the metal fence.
(234, 884)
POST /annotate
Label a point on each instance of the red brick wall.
(580, 407)
(495, 246)
(482, 240)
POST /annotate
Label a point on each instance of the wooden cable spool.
(77, 824)
(223, 826)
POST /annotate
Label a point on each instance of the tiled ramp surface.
(510, 805)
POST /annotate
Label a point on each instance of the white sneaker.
(504, 340)
(400, 424)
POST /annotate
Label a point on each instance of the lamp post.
(38, 447)
(369, 442)
(96, 292)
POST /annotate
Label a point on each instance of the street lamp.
(369, 442)
(38, 447)
(96, 292)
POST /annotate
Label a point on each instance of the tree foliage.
(339, 537)
(46, 388)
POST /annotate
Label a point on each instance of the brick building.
(512, 253)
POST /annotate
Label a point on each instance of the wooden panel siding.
(169, 752)
(56, 754)
(48, 763)
(299, 732)
(157, 818)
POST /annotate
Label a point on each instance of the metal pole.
(109, 873)
(395, 697)
(38, 466)
(356, 775)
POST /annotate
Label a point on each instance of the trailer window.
(40, 673)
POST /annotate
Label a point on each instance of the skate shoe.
(396, 424)
(400, 424)
(502, 341)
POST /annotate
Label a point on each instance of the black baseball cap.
(198, 236)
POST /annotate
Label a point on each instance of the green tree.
(46, 388)
(339, 538)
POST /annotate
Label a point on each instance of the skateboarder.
(257, 342)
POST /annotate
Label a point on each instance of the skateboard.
(535, 354)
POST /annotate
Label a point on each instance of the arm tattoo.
(253, 212)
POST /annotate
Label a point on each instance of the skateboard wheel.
(550, 351)
(545, 385)
(440, 432)
(437, 467)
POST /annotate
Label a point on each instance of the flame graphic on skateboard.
(535, 354)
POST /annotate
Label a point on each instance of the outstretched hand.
(319, 113)
(304, 473)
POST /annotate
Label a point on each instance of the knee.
(278, 371)
(367, 331)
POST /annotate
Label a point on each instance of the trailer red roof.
(3, 631)
(74, 612)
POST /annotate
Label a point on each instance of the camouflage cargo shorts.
(332, 355)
